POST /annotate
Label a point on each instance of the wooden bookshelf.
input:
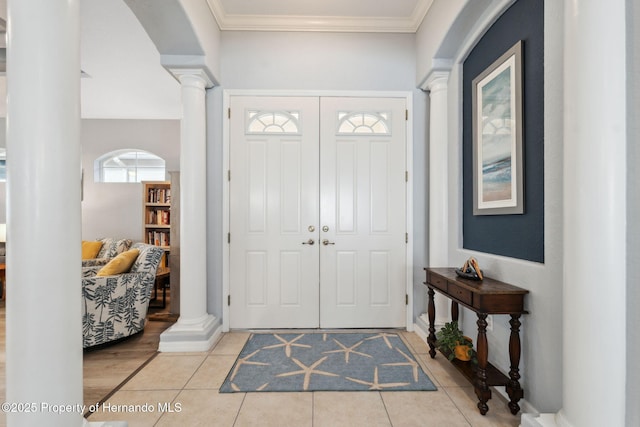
(156, 213)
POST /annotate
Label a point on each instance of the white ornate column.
(195, 329)
(436, 85)
(43, 308)
(594, 294)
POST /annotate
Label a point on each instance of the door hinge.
(228, 299)
(406, 299)
(406, 176)
(229, 175)
(406, 237)
(406, 114)
(228, 237)
(229, 113)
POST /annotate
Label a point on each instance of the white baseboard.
(544, 420)
(420, 331)
(421, 326)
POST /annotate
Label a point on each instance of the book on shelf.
(158, 217)
(158, 238)
(159, 195)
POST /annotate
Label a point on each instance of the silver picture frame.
(498, 186)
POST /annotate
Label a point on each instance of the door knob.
(311, 228)
(309, 242)
(327, 242)
(325, 228)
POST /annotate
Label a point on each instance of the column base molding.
(188, 336)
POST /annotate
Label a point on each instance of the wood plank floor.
(105, 368)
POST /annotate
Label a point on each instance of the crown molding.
(228, 22)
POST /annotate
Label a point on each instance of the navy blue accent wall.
(516, 236)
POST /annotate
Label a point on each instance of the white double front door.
(317, 197)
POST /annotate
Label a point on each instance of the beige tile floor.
(182, 390)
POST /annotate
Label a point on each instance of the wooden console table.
(484, 297)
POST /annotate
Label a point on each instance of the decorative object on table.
(452, 343)
(497, 136)
(327, 362)
(470, 270)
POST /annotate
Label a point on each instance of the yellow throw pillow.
(120, 264)
(90, 249)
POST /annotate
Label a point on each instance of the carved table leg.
(454, 311)
(431, 310)
(513, 386)
(482, 389)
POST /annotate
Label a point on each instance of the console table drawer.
(461, 294)
(438, 282)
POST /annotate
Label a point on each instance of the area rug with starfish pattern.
(325, 362)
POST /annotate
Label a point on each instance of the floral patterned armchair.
(115, 307)
(110, 248)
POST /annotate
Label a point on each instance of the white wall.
(208, 34)
(115, 210)
(431, 33)
(541, 363)
(633, 213)
(316, 61)
(215, 235)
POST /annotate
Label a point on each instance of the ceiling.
(402, 16)
(124, 78)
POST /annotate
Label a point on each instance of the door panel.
(362, 192)
(273, 200)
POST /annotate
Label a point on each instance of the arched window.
(129, 166)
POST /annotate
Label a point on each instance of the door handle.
(327, 242)
(309, 242)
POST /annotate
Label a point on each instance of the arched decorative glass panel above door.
(273, 122)
(354, 122)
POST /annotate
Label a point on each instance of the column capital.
(196, 76)
(436, 81)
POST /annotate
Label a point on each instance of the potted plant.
(452, 343)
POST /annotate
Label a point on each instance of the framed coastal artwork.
(497, 136)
